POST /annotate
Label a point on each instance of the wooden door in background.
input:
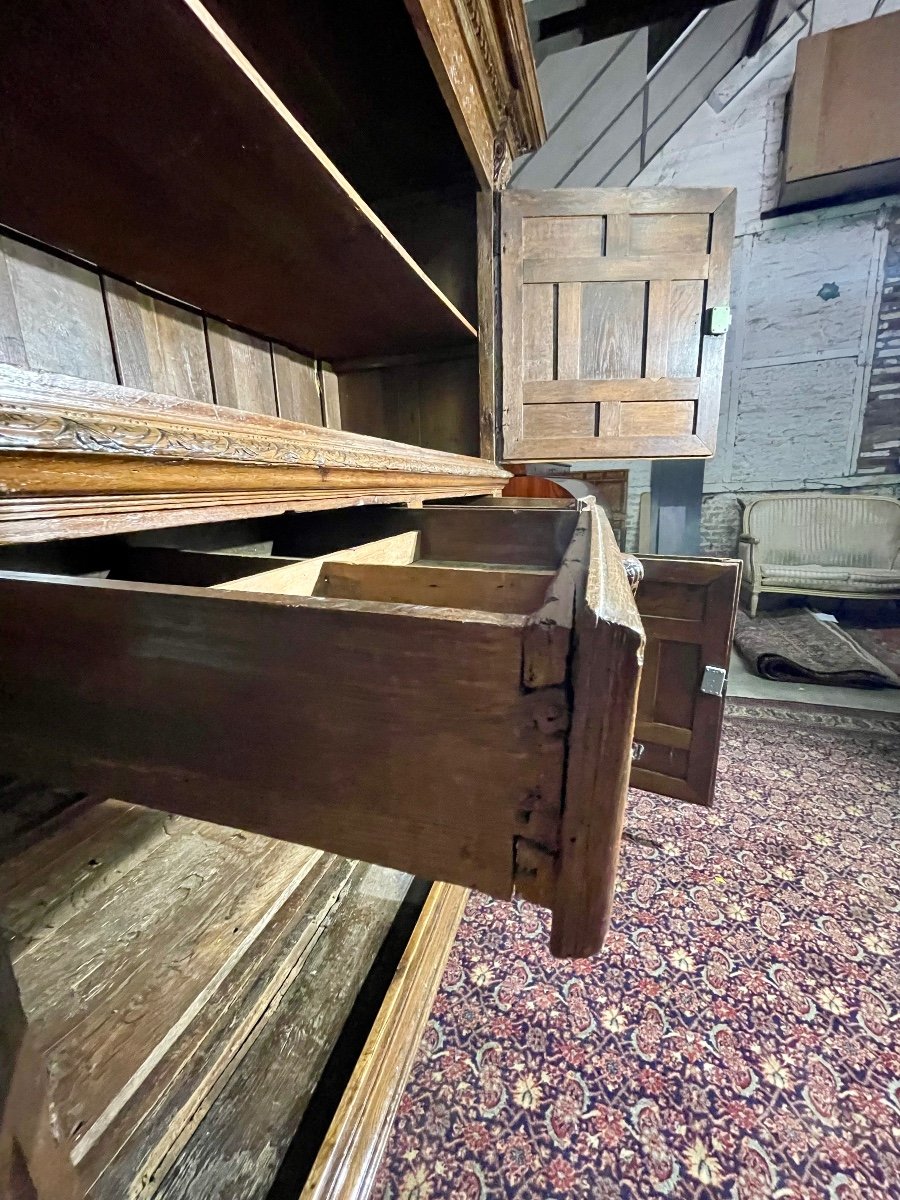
(614, 302)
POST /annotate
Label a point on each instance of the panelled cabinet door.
(687, 606)
(614, 305)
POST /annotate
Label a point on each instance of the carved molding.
(72, 451)
(44, 412)
(481, 55)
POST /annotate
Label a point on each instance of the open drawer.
(449, 691)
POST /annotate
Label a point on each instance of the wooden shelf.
(173, 163)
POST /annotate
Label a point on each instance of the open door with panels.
(614, 303)
(687, 608)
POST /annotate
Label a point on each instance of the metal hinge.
(713, 681)
(718, 320)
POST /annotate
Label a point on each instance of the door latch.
(713, 681)
(718, 320)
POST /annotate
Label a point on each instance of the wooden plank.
(568, 331)
(448, 533)
(609, 270)
(560, 202)
(608, 651)
(663, 735)
(659, 317)
(136, 1152)
(540, 449)
(519, 330)
(361, 402)
(550, 237)
(623, 391)
(538, 329)
(613, 331)
(196, 568)
(242, 370)
(159, 346)
(618, 236)
(668, 233)
(238, 1145)
(559, 420)
(354, 1145)
(331, 399)
(12, 345)
(188, 668)
(673, 418)
(198, 907)
(448, 404)
(57, 875)
(55, 314)
(302, 578)
(302, 259)
(718, 293)
(450, 587)
(489, 349)
(296, 387)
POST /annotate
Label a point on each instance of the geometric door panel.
(613, 310)
(687, 607)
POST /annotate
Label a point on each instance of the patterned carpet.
(739, 1038)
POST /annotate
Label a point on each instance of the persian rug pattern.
(738, 1038)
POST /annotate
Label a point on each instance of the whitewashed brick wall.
(798, 363)
(799, 356)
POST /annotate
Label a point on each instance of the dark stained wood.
(198, 182)
(447, 533)
(688, 610)
(605, 293)
(357, 79)
(155, 728)
(196, 568)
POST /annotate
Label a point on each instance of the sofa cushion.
(844, 579)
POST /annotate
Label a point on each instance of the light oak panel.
(297, 387)
(450, 587)
(551, 237)
(635, 310)
(611, 270)
(52, 313)
(242, 370)
(673, 418)
(622, 391)
(160, 347)
(668, 233)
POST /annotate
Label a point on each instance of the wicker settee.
(821, 545)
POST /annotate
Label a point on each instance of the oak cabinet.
(269, 327)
